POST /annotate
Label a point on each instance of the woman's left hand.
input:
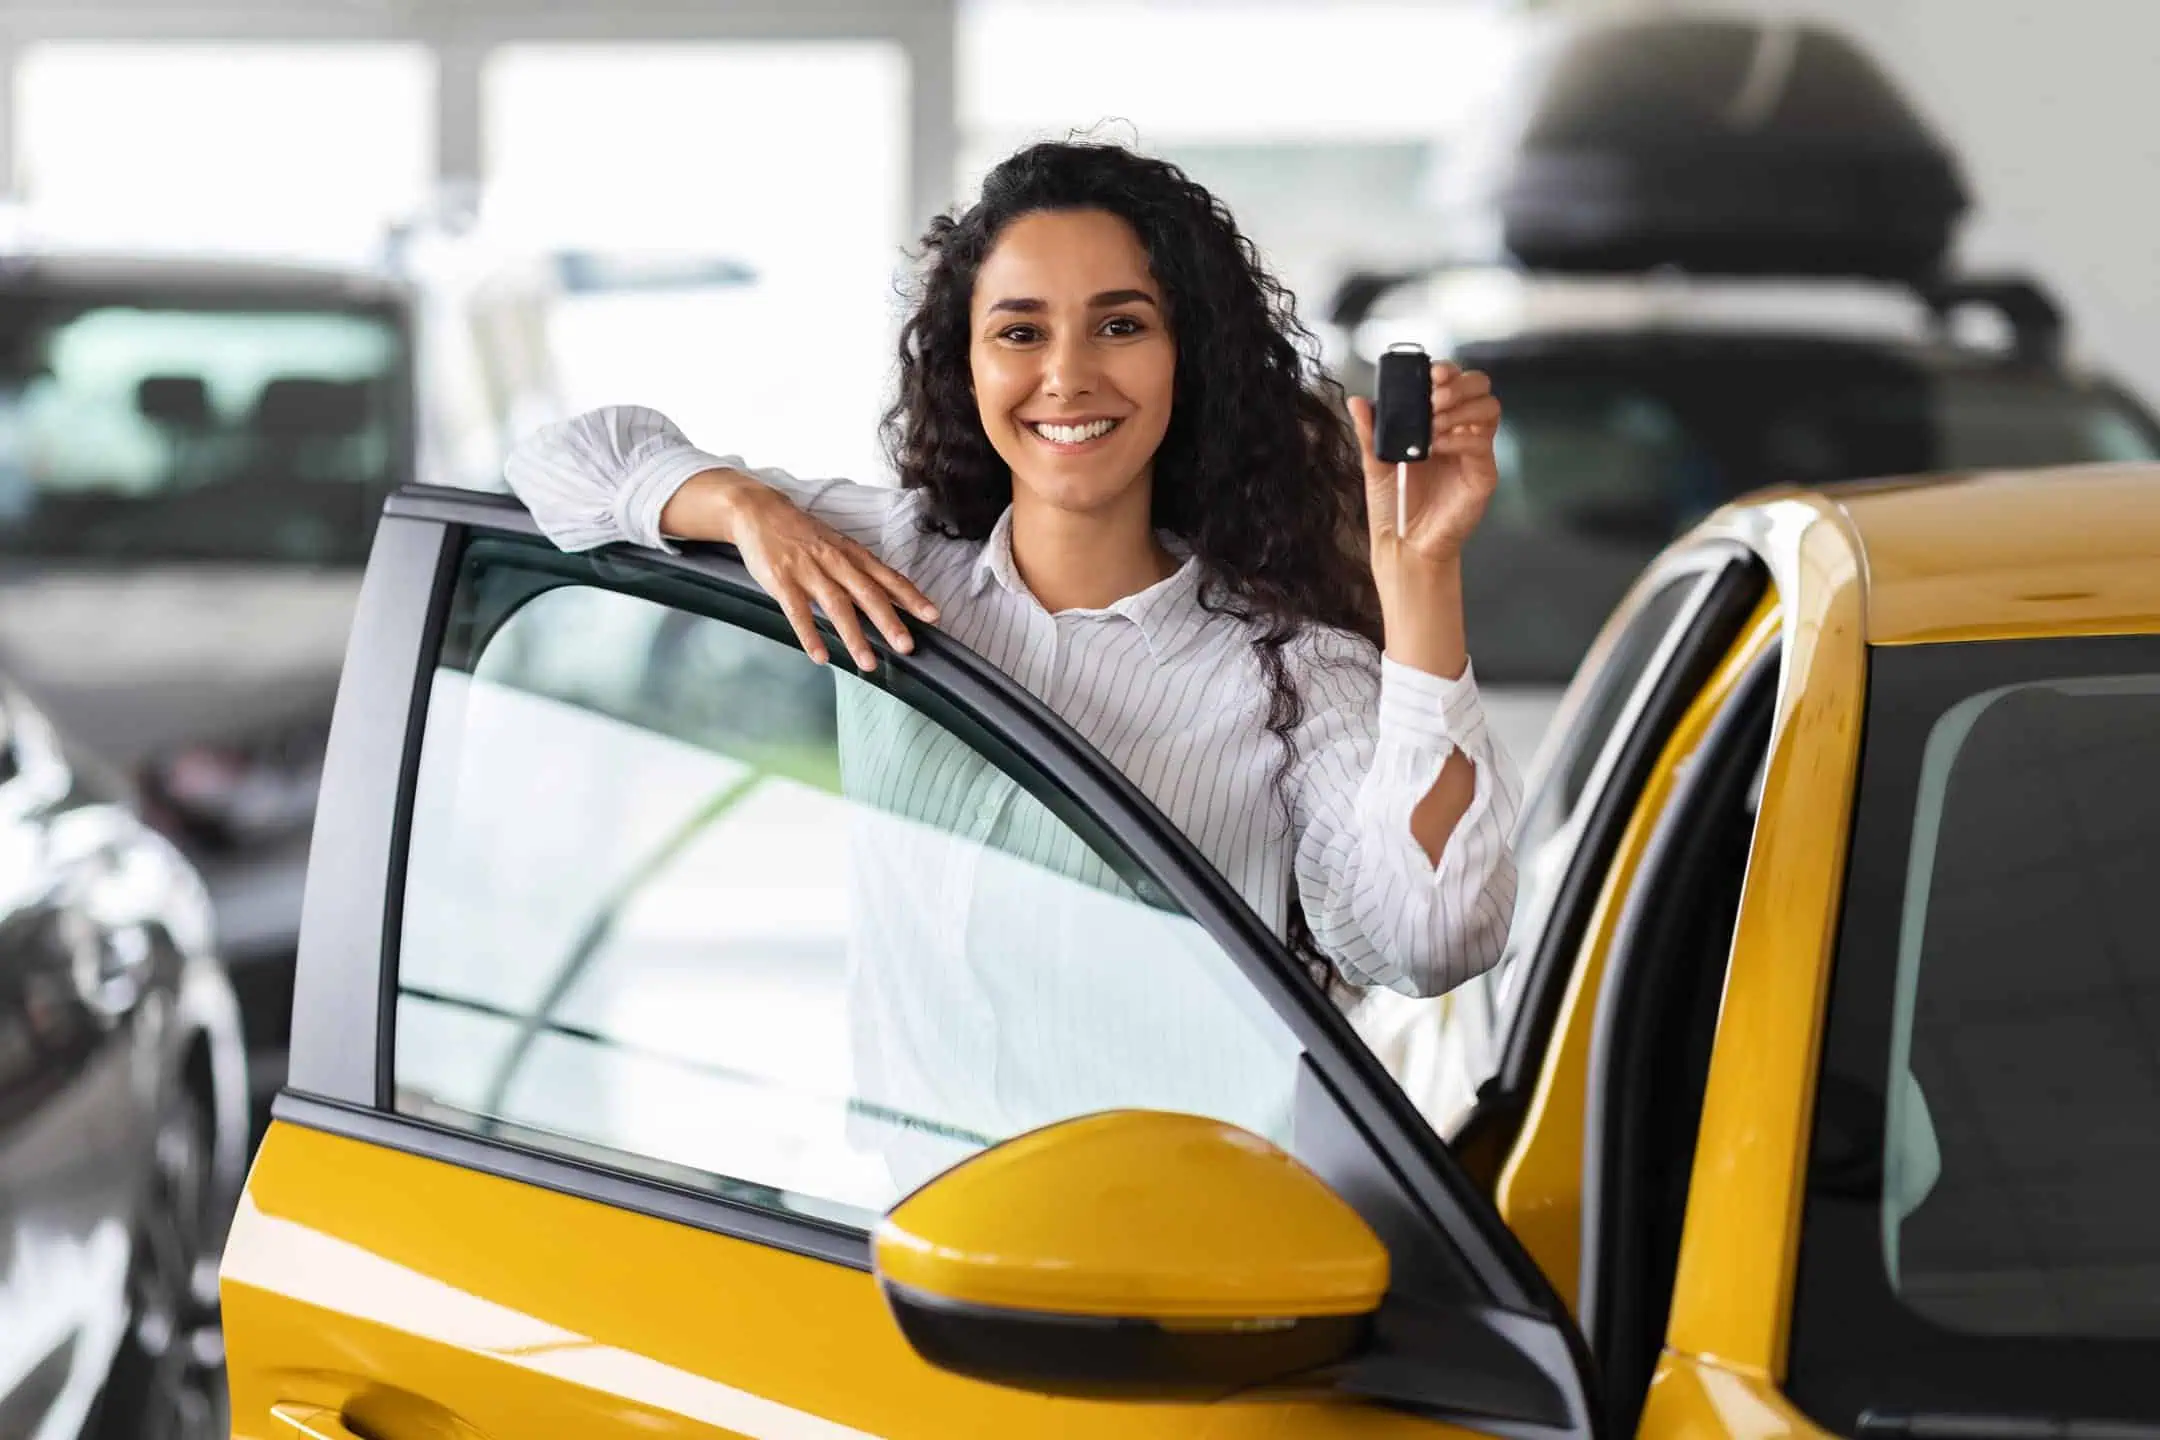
(1419, 571)
(1449, 488)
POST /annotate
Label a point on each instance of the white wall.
(2055, 109)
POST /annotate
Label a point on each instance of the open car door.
(659, 989)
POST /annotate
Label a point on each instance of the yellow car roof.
(1998, 555)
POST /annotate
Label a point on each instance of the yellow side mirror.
(1130, 1253)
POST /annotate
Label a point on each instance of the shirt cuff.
(1423, 710)
(652, 482)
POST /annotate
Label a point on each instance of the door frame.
(1729, 582)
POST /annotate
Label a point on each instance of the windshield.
(148, 431)
(1604, 457)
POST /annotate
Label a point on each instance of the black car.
(193, 456)
(123, 1107)
(1705, 257)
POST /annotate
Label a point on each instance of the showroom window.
(682, 903)
(254, 147)
(728, 220)
(1328, 159)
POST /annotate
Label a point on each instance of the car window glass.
(2022, 1139)
(2007, 421)
(1616, 684)
(1985, 1162)
(140, 431)
(1594, 479)
(686, 904)
(1441, 1050)
(1552, 822)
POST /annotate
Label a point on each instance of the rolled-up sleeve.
(1373, 743)
(604, 477)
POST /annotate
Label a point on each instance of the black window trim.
(1611, 1282)
(389, 668)
(1730, 581)
(642, 1194)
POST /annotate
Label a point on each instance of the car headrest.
(294, 406)
(173, 399)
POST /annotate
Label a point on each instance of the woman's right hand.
(800, 561)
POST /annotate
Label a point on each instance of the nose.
(1068, 368)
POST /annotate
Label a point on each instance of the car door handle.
(312, 1422)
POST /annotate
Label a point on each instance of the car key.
(1402, 415)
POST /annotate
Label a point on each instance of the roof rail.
(2034, 316)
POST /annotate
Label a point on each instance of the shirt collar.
(1167, 613)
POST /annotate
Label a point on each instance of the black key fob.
(1402, 405)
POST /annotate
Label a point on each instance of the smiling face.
(1073, 361)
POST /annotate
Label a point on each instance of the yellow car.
(690, 1041)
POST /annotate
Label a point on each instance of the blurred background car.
(123, 1106)
(1620, 433)
(1700, 257)
(193, 454)
(192, 458)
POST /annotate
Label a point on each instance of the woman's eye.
(1019, 334)
(1121, 325)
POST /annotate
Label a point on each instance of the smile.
(1083, 434)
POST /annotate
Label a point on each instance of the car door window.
(1446, 1051)
(1986, 1163)
(681, 902)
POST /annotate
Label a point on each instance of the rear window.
(151, 429)
(1606, 455)
(1983, 1221)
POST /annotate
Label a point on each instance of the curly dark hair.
(1258, 472)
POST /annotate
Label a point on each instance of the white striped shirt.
(1171, 694)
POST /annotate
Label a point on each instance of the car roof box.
(1720, 146)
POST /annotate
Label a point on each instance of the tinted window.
(1615, 685)
(2029, 1201)
(161, 431)
(1987, 1158)
(1609, 449)
(1552, 824)
(683, 903)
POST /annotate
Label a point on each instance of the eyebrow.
(1026, 306)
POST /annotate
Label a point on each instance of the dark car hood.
(133, 662)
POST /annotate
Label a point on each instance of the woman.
(1118, 484)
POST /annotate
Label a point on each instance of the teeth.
(1075, 434)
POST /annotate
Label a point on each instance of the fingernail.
(930, 613)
